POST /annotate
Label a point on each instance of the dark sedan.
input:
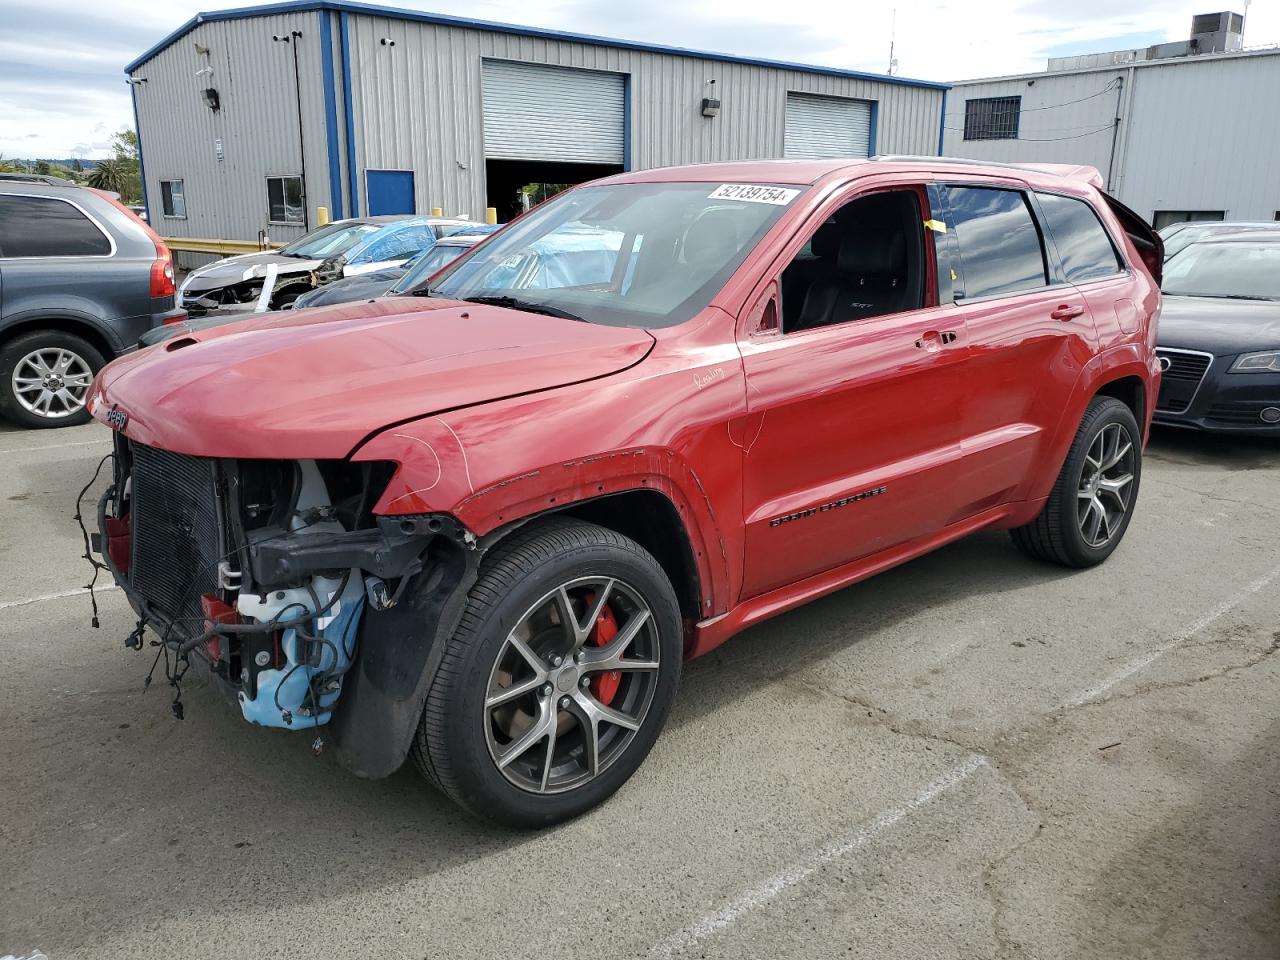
(1219, 342)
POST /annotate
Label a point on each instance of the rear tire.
(1091, 504)
(45, 377)
(580, 730)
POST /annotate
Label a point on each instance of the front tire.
(1092, 502)
(559, 678)
(45, 377)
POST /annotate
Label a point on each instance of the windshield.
(398, 242)
(327, 241)
(627, 254)
(1236, 269)
(1188, 235)
(425, 265)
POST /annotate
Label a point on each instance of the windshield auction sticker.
(778, 196)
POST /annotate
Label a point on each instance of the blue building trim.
(330, 114)
(873, 133)
(142, 164)
(626, 122)
(353, 181)
(942, 123)
(348, 6)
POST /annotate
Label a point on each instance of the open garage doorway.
(546, 128)
(513, 186)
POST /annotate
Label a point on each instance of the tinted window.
(40, 227)
(1083, 244)
(999, 244)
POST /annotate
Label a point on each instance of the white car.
(273, 279)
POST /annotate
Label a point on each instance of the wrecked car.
(273, 279)
(484, 528)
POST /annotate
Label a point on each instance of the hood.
(169, 331)
(346, 291)
(1218, 325)
(247, 266)
(315, 383)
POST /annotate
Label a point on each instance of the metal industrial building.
(1186, 130)
(251, 119)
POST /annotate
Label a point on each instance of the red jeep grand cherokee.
(483, 524)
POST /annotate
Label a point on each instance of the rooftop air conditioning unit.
(1217, 33)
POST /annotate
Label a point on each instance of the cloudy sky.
(62, 92)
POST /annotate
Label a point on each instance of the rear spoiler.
(1150, 246)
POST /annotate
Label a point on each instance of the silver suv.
(81, 278)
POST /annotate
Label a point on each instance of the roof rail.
(1071, 171)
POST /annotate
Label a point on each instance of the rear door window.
(46, 227)
(1000, 247)
(1083, 246)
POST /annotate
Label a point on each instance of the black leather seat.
(867, 279)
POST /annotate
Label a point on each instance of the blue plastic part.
(282, 694)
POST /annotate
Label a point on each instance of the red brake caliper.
(604, 686)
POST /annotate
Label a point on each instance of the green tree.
(120, 172)
(113, 174)
(42, 168)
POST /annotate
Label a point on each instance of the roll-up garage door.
(536, 112)
(821, 127)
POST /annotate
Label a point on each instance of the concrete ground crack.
(913, 728)
(1157, 686)
(1210, 496)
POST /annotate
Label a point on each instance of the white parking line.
(761, 893)
(56, 446)
(1139, 663)
(61, 594)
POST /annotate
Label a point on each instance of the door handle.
(933, 340)
(1067, 311)
(930, 341)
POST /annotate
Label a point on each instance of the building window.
(1166, 217)
(284, 199)
(992, 118)
(173, 199)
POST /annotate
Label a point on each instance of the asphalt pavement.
(971, 756)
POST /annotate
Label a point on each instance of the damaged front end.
(276, 579)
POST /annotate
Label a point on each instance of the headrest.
(872, 251)
(826, 241)
(710, 237)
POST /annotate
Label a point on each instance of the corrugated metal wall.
(1198, 133)
(257, 124)
(1205, 136)
(1066, 118)
(418, 104)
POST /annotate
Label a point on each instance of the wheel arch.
(651, 519)
(63, 323)
(1124, 373)
(1130, 390)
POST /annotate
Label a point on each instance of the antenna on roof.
(893, 31)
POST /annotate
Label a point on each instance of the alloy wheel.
(571, 685)
(52, 382)
(1106, 485)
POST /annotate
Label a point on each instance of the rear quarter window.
(1085, 249)
(1000, 248)
(47, 227)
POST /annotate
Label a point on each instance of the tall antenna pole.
(893, 30)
